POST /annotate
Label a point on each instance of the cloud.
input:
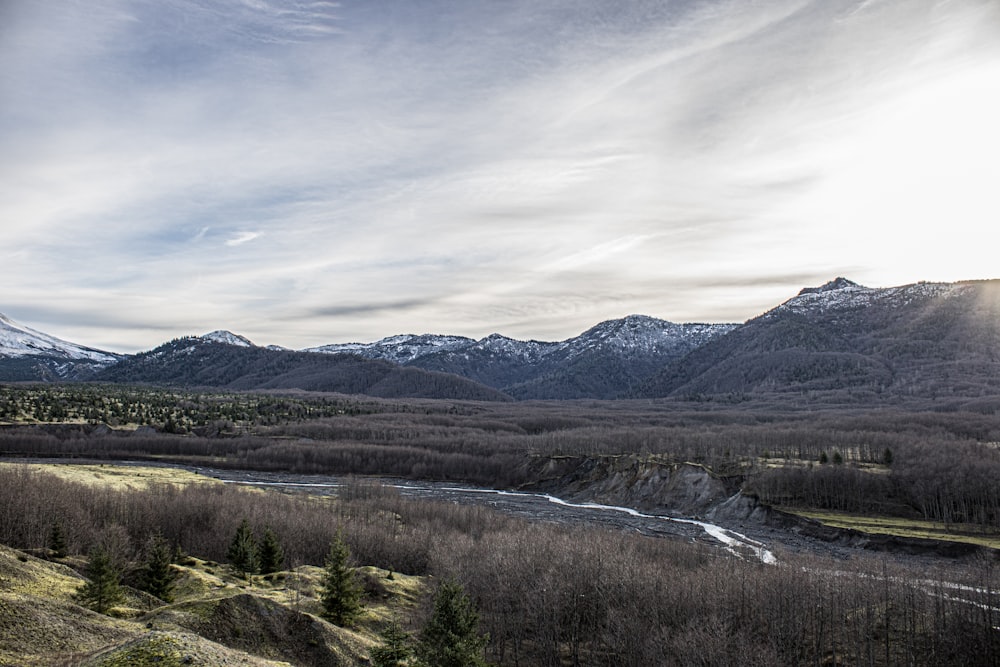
(367, 308)
(241, 238)
(522, 167)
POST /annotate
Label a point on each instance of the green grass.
(883, 525)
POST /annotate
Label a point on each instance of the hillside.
(927, 340)
(207, 363)
(217, 618)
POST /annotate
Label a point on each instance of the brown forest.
(554, 594)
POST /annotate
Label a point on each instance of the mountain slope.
(400, 349)
(926, 340)
(610, 359)
(206, 362)
(26, 354)
(605, 361)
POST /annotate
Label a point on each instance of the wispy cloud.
(241, 238)
(527, 167)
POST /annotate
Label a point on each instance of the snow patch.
(17, 340)
(227, 338)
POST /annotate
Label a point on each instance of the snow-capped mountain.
(204, 362)
(613, 351)
(923, 340)
(17, 340)
(610, 359)
(841, 339)
(226, 338)
(26, 354)
(843, 294)
(401, 349)
(637, 333)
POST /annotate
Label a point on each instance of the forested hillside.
(924, 340)
(195, 362)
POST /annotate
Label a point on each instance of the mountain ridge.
(923, 339)
(919, 340)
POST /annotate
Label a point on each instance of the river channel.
(535, 506)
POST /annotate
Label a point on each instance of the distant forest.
(936, 461)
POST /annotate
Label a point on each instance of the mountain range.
(921, 340)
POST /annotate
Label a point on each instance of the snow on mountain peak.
(842, 294)
(401, 348)
(838, 283)
(17, 340)
(227, 338)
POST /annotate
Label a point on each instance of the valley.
(543, 541)
(814, 486)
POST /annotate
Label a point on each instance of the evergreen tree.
(242, 554)
(102, 590)
(395, 647)
(158, 577)
(451, 637)
(272, 556)
(341, 593)
(57, 540)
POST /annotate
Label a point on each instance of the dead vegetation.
(548, 595)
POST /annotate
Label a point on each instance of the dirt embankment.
(645, 484)
(689, 489)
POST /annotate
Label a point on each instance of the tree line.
(935, 464)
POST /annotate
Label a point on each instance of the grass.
(119, 478)
(217, 617)
(918, 528)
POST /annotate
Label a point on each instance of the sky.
(307, 172)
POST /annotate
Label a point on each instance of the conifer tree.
(57, 540)
(242, 554)
(394, 649)
(451, 637)
(272, 556)
(102, 590)
(158, 577)
(341, 593)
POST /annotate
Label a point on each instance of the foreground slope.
(218, 619)
(926, 340)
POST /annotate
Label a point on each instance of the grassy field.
(902, 527)
(117, 477)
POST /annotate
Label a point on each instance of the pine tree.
(395, 647)
(57, 540)
(272, 556)
(341, 593)
(158, 577)
(102, 590)
(242, 554)
(451, 637)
